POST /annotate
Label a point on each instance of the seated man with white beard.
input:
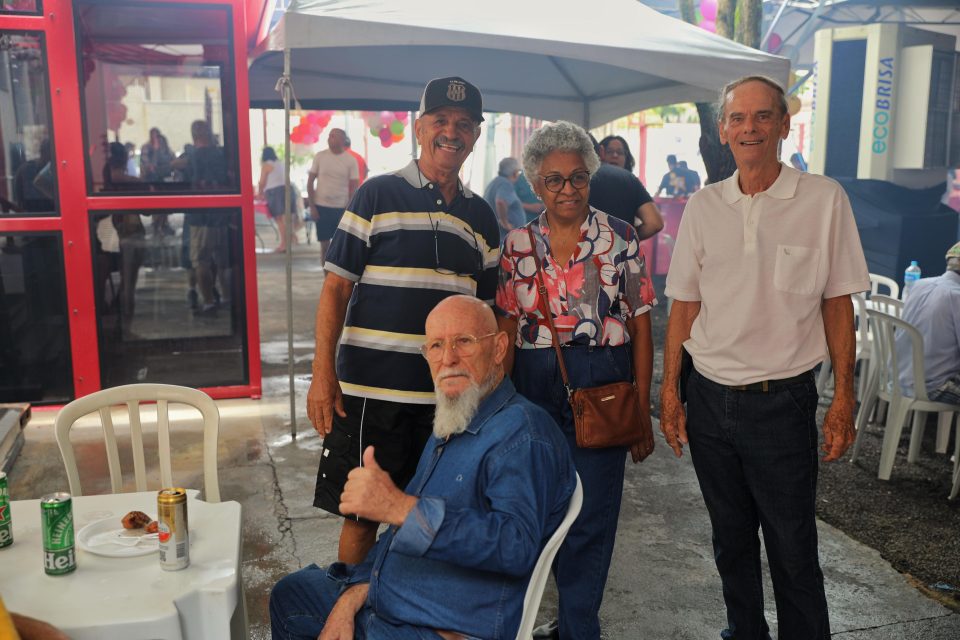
(492, 485)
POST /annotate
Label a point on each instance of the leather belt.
(766, 386)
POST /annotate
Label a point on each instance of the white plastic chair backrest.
(885, 330)
(860, 314)
(541, 571)
(887, 304)
(877, 281)
(132, 395)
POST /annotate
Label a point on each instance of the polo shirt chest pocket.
(796, 269)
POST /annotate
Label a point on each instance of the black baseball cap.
(452, 92)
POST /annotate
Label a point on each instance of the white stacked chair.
(885, 385)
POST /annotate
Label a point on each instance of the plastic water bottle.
(911, 275)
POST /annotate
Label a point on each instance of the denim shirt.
(489, 498)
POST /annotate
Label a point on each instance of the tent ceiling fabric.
(533, 57)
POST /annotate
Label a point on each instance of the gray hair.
(508, 166)
(780, 96)
(559, 136)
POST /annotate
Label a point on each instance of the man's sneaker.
(193, 299)
(548, 631)
(208, 310)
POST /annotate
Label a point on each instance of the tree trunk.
(726, 16)
(748, 26)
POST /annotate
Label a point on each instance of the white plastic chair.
(863, 349)
(877, 281)
(541, 571)
(886, 304)
(132, 395)
(885, 385)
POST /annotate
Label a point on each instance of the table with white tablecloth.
(131, 597)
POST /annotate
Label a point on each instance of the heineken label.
(6, 524)
(59, 555)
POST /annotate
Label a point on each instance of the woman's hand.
(640, 450)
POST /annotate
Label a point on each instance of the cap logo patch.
(456, 91)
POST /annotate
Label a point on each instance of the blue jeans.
(583, 560)
(300, 603)
(755, 455)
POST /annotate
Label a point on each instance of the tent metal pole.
(286, 88)
(413, 138)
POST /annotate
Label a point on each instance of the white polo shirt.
(334, 172)
(760, 266)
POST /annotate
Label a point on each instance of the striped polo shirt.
(406, 249)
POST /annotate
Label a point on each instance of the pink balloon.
(385, 134)
(708, 9)
(774, 43)
(708, 25)
(386, 143)
(402, 116)
(386, 117)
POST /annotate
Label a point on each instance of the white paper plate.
(98, 537)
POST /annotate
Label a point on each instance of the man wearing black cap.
(406, 241)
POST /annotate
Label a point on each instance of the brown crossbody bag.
(605, 416)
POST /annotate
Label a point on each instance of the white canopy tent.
(552, 59)
(549, 59)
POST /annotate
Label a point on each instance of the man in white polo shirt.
(331, 182)
(761, 278)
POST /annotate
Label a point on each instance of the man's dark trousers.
(755, 454)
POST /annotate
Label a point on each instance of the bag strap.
(545, 297)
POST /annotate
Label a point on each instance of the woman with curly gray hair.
(598, 293)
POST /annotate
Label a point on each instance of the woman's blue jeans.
(755, 454)
(583, 560)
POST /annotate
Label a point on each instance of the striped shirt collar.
(415, 178)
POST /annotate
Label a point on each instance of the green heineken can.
(56, 514)
(6, 523)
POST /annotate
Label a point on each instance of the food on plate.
(153, 527)
(135, 520)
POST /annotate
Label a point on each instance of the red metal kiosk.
(126, 220)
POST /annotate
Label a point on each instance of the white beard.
(453, 414)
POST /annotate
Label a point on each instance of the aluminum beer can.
(173, 530)
(6, 523)
(56, 515)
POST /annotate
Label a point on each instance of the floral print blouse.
(604, 283)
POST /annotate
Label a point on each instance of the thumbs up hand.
(371, 494)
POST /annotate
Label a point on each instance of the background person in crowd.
(531, 203)
(502, 197)
(761, 278)
(209, 233)
(271, 187)
(669, 180)
(691, 179)
(615, 151)
(156, 158)
(619, 193)
(464, 537)
(362, 169)
(599, 294)
(409, 239)
(28, 192)
(933, 307)
(331, 182)
(129, 228)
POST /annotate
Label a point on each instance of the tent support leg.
(286, 88)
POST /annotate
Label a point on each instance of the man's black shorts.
(396, 430)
